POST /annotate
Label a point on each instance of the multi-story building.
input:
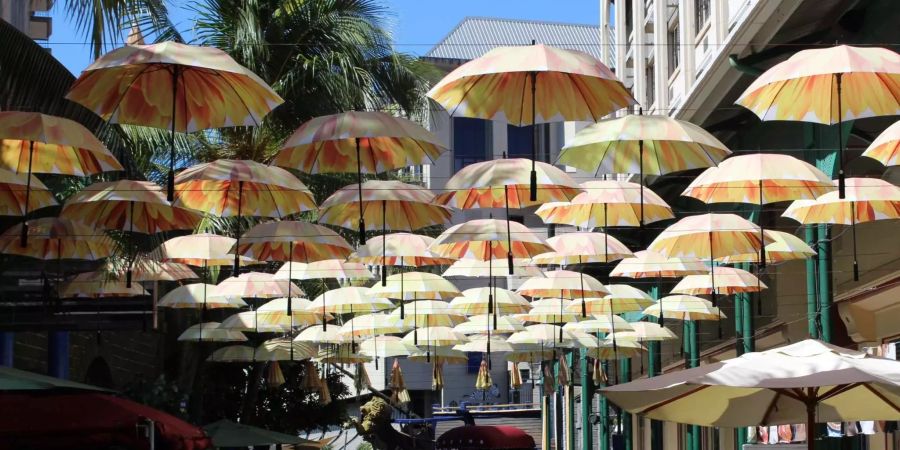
(31, 17)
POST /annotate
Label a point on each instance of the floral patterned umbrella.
(527, 85)
(32, 142)
(173, 86)
(211, 332)
(865, 200)
(361, 142)
(784, 247)
(828, 86)
(485, 239)
(239, 188)
(15, 191)
(608, 203)
(54, 238)
(386, 205)
(399, 249)
(193, 296)
(722, 280)
(199, 250)
(98, 285)
(886, 147)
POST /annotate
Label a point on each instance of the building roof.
(475, 36)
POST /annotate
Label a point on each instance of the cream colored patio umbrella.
(211, 332)
(808, 381)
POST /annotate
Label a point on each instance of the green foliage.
(160, 393)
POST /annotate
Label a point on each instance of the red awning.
(473, 437)
(47, 420)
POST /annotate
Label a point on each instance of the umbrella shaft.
(24, 238)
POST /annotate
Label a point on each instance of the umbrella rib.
(134, 80)
(673, 399)
(840, 389)
(583, 97)
(463, 97)
(249, 111)
(881, 396)
(769, 409)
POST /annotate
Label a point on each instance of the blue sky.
(417, 24)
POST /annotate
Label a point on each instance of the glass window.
(519, 139)
(701, 14)
(650, 74)
(674, 47)
(471, 141)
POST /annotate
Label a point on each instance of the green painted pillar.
(547, 425)
(569, 403)
(694, 361)
(747, 313)
(739, 323)
(587, 401)
(811, 284)
(627, 429)
(824, 257)
(604, 414)
(654, 368)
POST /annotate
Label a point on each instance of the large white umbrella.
(808, 381)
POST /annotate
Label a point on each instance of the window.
(519, 141)
(673, 43)
(629, 18)
(650, 77)
(473, 362)
(471, 141)
(701, 14)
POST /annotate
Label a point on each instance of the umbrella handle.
(842, 184)
(23, 241)
(853, 232)
(534, 139)
(236, 270)
(362, 220)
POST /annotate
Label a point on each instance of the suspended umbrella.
(529, 355)
(624, 349)
(386, 347)
(233, 353)
(522, 267)
(372, 325)
(478, 324)
(343, 354)
(251, 321)
(32, 142)
(435, 337)
(563, 284)
(607, 203)
(646, 145)
(439, 355)
(685, 308)
(300, 315)
(599, 324)
(240, 188)
(430, 313)
(13, 201)
(784, 247)
(489, 239)
(255, 285)
(326, 268)
(320, 335)
(543, 334)
(284, 349)
(804, 382)
(182, 88)
(646, 331)
(721, 280)
(865, 200)
(549, 310)
(649, 264)
(211, 332)
(199, 250)
(361, 142)
(481, 343)
(529, 85)
(399, 394)
(759, 179)
(886, 147)
(501, 183)
(384, 205)
(97, 285)
(399, 249)
(350, 300)
(150, 270)
(413, 286)
(622, 298)
(193, 296)
(828, 86)
(476, 301)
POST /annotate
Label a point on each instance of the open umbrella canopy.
(399, 249)
(505, 183)
(886, 147)
(199, 250)
(759, 179)
(225, 433)
(808, 381)
(284, 349)
(621, 350)
(292, 240)
(524, 85)
(480, 343)
(255, 285)
(563, 283)
(386, 205)
(607, 203)
(15, 189)
(542, 334)
(430, 313)
(648, 145)
(233, 353)
(370, 325)
(127, 205)
(439, 355)
(709, 236)
(724, 280)
(646, 332)
(522, 267)
(622, 298)
(252, 321)
(866, 199)
(477, 301)
(298, 314)
(599, 324)
(416, 285)
(54, 238)
(326, 268)
(435, 336)
(784, 247)
(211, 332)
(20, 380)
(150, 270)
(386, 347)
(550, 310)
(195, 296)
(649, 264)
(484, 322)
(349, 300)
(583, 247)
(364, 141)
(99, 285)
(321, 335)
(684, 307)
(485, 239)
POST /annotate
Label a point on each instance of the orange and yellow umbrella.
(654, 145)
(239, 188)
(866, 200)
(784, 247)
(828, 86)
(582, 247)
(385, 205)
(504, 183)
(886, 147)
(199, 250)
(173, 86)
(522, 267)
(149, 270)
(255, 285)
(563, 284)
(57, 238)
(648, 264)
(622, 298)
(485, 239)
(607, 203)
(528, 85)
(32, 142)
(721, 280)
(326, 268)
(291, 240)
(127, 205)
(98, 285)
(193, 296)
(399, 249)
(15, 190)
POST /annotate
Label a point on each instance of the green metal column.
(824, 256)
(627, 429)
(568, 399)
(694, 361)
(654, 368)
(749, 325)
(547, 424)
(604, 414)
(811, 285)
(587, 402)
